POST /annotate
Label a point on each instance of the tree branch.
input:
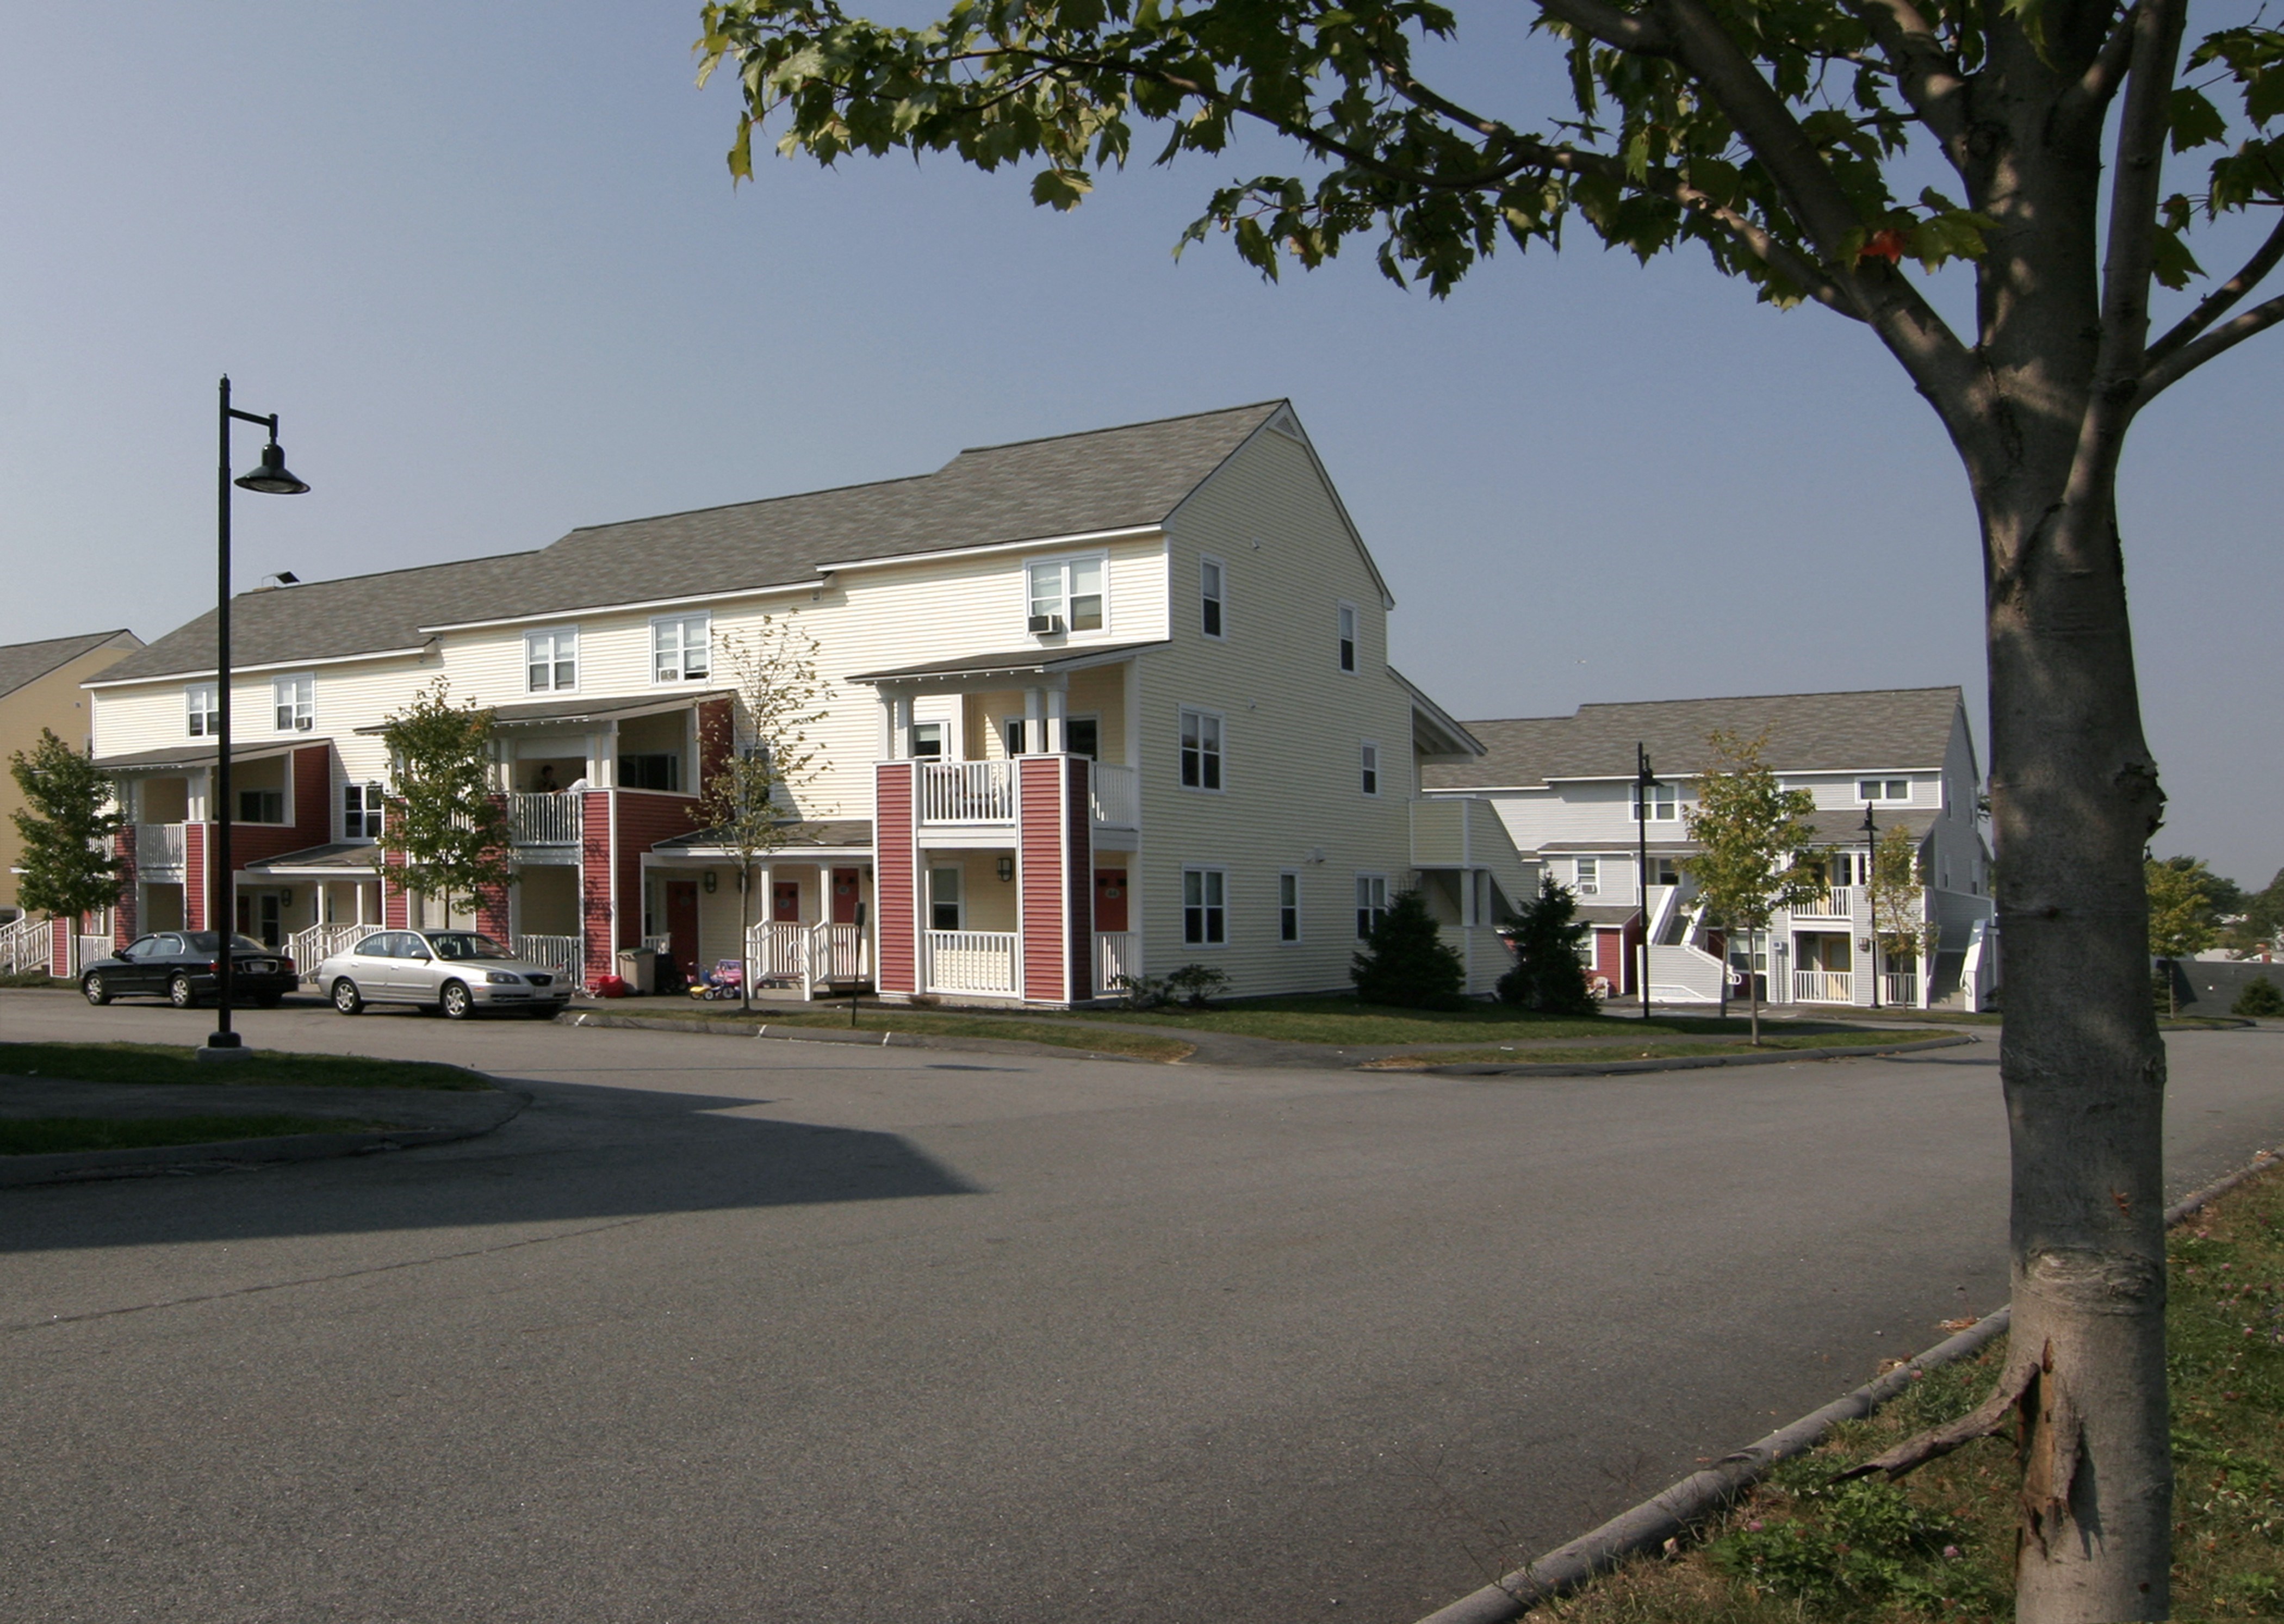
(1927, 73)
(2187, 359)
(1625, 30)
(2216, 303)
(2090, 97)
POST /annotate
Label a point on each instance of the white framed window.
(361, 810)
(681, 647)
(1369, 765)
(1211, 598)
(1348, 638)
(1205, 906)
(1200, 749)
(1663, 802)
(1014, 733)
(1372, 902)
(1289, 906)
(1066, 594)
(1588, 875)
(204, 716)
(1083, 736)
(944, 899)
(1883, 789)
(550, 660)
(927, 741)
(296, 698)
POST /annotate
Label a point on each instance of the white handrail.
(1823, 986)
(777, 952)
(158, 845)
(312, 946)
(1900, 988)
(566, 955)
(836, 953)
(1116, 797)
(1117, 953)
(90, 948)
(1838, 903)
(967, 792)
(971, 961)
(25, 945)
(544, 818)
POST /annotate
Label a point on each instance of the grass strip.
(1852, 1038)
(46, 1135)
(1061, 1032)
(1345, 1022)
(171, 1063)
(1940, 1544)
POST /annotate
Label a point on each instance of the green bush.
(2260, 997)
(1548, 975)
(1405, 964)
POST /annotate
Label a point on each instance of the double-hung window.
(1348, 637)
(680, 647)
(1588, 872)
(1662, 803)
(205, 716)
(1372, 902)
(1370, 766)
(1883, 789)
(296, 702)
(1066, 595)
(927, 741)
(1205, 906)
(1289, 906)
(550, 660)
(944, 900)
(361, 811)
(1209, 597)
(1200, 750)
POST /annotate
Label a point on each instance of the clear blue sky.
(488, 263)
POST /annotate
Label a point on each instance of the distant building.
(39, 688)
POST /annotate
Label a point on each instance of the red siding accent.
(123, 914)
(194, 876)
(1609, 957)
(395, 907)
(59, 947)
(1078, 886)
(896, 898)
(595, 881)
(1041, 871)
(646, 818)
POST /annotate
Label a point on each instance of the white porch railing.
(1117, 953)
(967, 792)
(970, 961)
(1117, 795)
(544, 819)
(313, 946)
(566, 955)
(776, 951)
(1900, 988)
(90, 948)
(1838, 903)
(24, 946)
(811, 954)
(158, 845)
(836, 953)
(1823, 986)
(658, 944)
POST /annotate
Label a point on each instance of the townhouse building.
(1100, 704)
(1564, 788)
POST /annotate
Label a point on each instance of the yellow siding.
(57, 703)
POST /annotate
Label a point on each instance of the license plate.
(260, 967)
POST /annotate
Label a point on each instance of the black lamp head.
(273, 478)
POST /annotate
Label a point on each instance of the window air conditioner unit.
(1047, 625)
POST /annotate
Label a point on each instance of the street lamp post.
(270, 479)
(1871, 895)
(1643, 782)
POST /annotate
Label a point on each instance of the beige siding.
(55, 703)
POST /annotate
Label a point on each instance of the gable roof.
(1105, 479)
(23, 663)
(1808, 733)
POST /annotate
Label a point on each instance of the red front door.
(1110, 899)
(681, 922)
(844, 896)
(784, 901)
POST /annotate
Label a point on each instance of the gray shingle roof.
(1808, 733)
(202, 753)
(1024, 660)
(1103, 480)
(23, 663)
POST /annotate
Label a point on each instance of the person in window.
(546, 785)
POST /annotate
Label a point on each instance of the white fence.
(1838, 903)
(312, 946)
(544, 819)
(1117, 953)
(1823, 986)
(566, 955)
(970, 961)
(1900, 988)
(837, 953)
(812, 955)
(158, 845)
(24, 946)
(1117, 795)
(90, 948)
(967, 792)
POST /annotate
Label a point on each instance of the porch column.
(1035, 725)
(1058, 706)
(896, 716)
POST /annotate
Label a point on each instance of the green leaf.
(2173, 265)
(2195, 120)
(1060, 189)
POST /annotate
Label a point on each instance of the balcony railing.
(1900, 988)
(1117, 795)
(1117, 953)
(544, 819)
(1823, 986)
(970, 961)
(967, 792)
(158, 845)
(566, 955)
(1838, 903)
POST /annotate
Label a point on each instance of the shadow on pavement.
(579, 1152)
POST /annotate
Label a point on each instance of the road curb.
(225, 1155)
(832, 1034)
(1678, 1063)
(1679, 1508)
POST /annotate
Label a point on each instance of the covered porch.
(808, 907)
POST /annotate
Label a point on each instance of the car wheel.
(346, 999)
(457, 1005)
(179, 992)
(97, 993)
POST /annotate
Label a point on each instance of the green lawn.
(169, 1062)
(1057, 1029)
(1344, 1021)
(1850, 1038)
(1940, 1543)
(46, 1135)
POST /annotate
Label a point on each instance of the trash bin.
(638, 969)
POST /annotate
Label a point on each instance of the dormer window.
(205, 716)
(295, 701)
(1066, 595)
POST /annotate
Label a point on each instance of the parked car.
(457, 971)
(184, 968)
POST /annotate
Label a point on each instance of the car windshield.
(466, 944)
(206, 941)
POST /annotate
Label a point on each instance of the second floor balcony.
(544, 818)
(980, 794)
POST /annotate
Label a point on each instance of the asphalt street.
(725, 1329)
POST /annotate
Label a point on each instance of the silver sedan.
(457, 971)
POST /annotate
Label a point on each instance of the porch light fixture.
(1006, 869)
(273, 478)
(707, 883)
